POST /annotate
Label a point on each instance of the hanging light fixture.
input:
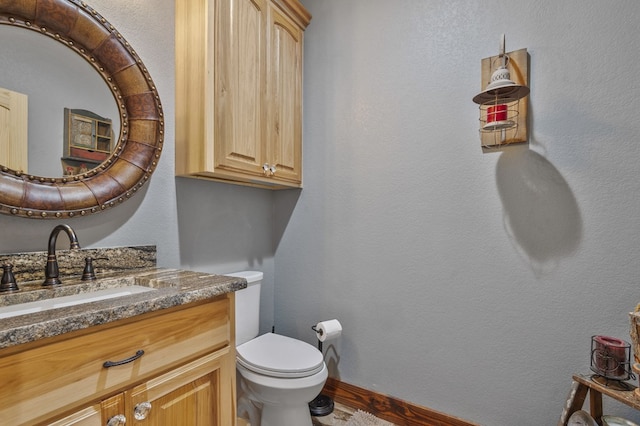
(503, 107)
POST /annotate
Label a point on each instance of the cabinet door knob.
(269, 170)
(117, 420)
(141, 411)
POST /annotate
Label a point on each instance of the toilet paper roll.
(328, 329)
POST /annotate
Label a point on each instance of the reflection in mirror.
(88, 141)
(13, 129)
(53, 78)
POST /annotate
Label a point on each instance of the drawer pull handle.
(141, 411)
(117, 420)
(108, 364)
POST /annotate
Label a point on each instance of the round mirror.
(118, 147)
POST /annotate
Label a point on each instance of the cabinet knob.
(141, 411)
(268, 170)
(117, 420)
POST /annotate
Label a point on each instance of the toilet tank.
(248, 306)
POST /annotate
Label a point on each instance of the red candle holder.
(611, 357)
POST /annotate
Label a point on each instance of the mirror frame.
(137, 151)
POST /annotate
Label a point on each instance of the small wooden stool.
(597, 386)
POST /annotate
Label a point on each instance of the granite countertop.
(172, 287)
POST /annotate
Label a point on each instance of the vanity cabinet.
(185, 375)
(239, 91)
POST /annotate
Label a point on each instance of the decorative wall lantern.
(503, 102)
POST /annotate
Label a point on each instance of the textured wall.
(470, 283)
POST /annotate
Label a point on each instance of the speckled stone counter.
(172, 287)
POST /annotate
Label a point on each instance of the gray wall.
(470, 283)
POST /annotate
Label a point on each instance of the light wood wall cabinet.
(185, 376)
(239, 91)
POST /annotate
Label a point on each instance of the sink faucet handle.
(8, 282)
(89, 274)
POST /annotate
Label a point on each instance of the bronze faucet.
(51, 272)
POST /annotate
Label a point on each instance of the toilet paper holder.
(327, 330)
(322, 405)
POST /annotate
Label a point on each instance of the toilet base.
(273, 415)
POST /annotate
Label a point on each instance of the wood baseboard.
(387, 407)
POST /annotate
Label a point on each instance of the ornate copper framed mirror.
(138, 147)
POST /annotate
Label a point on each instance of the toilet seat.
(274, 355)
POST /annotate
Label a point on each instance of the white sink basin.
(75, 299)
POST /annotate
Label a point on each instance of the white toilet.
(278, 376)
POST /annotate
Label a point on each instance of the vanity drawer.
(45, 381)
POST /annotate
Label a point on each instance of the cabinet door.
(113, 411)
(240, 84)
(190, 404)
(284, 130)
(195, 395)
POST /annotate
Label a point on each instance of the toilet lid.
(280, 356)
